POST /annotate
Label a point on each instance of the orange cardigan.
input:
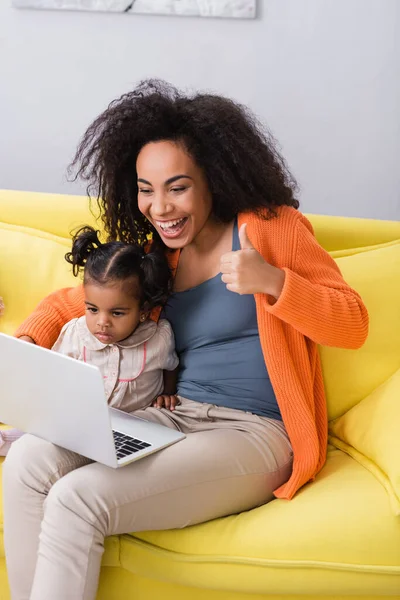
(316, 306)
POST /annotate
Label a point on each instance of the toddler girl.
(135, 355)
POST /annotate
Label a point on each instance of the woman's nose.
(160, 206)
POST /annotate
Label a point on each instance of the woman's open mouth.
(173, 228)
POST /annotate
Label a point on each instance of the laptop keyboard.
(125, 445)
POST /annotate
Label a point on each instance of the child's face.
(112, 314)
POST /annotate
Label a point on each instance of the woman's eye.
(144, 191)
(178, 189)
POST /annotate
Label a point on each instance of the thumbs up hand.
(246, 272)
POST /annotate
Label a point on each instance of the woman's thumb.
(245, 243)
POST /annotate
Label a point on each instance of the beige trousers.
(59, 506)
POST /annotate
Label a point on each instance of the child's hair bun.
(84, 241)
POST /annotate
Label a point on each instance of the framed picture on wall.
(240, 9)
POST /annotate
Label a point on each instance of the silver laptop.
(62, 400)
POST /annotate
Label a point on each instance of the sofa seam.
(262, 562)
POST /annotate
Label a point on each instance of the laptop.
(62, 400)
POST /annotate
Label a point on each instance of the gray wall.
(324, 75)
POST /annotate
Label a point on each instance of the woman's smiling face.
(172, 192)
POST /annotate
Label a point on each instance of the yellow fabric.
(343, 233)
(147, 589)
(118, 584)
(52, 213)
(350, 375)
(351, 251)
(338, 530)
(370, 433)
(34, 266)
(338, 538)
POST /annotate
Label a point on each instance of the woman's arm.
(316, 300)
(43, 326)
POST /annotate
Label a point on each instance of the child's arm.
(169, 363)
(168, 398)
(170, 379)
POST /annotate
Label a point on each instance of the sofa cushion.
(337, 234)
(351, 375)
(31, 266)
(58, 214)
(338, 533)
(370, 433)
(352, 251)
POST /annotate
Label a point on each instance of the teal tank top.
(218, 345)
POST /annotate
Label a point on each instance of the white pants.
(59, 506)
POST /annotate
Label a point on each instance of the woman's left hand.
(246, 272)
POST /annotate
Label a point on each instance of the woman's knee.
(25, 460)
(38, 463)
(73, 505)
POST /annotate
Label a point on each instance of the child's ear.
(144, 313)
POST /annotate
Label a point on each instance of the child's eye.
(117, 313)
(91, 309)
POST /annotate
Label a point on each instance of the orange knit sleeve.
(45, 323)
(316, 300)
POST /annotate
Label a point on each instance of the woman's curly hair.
(243, 169)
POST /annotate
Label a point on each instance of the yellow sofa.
(340, 536)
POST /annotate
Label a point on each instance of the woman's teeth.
(167, 225)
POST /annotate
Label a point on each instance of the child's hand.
(26, 338)
(166, 401)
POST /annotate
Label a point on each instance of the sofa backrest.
(35, 235)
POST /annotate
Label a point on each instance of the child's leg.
(30, 469)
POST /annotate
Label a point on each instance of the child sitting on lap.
(135, 355)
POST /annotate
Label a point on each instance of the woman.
(197, 173)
